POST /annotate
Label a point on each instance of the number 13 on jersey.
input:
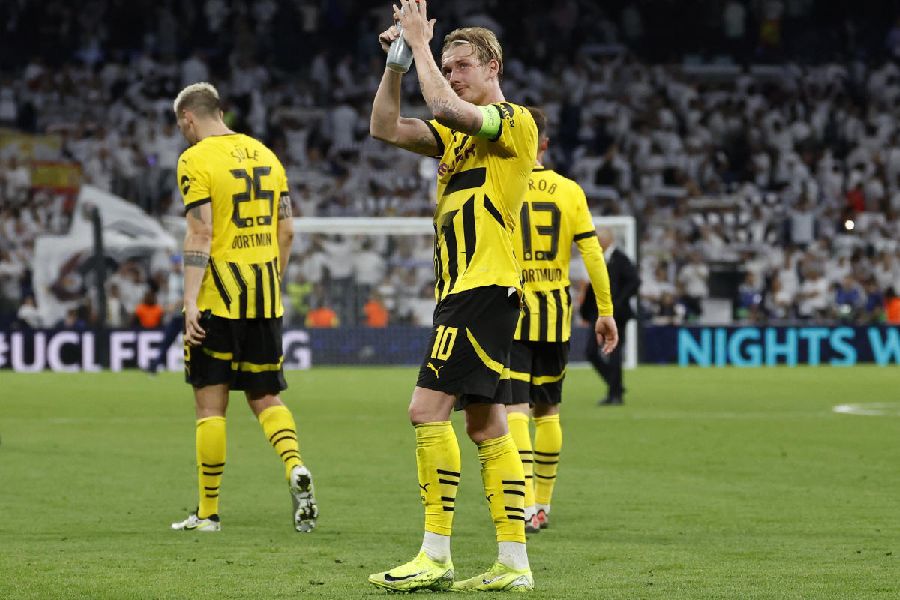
(530, 209)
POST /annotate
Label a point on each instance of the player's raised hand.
(387, 37)
(417, 29)
(607, 334)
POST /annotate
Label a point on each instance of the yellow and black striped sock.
(438, 463)
(547, 446)
(521, 435)
(210, 463)
(278, 425)
(504, 487)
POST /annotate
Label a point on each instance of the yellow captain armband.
(490, 122)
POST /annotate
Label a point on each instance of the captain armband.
(490, 123)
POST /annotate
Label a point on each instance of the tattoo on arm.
(285, 210)
(453, 116)
(196, 214)
(193, 258)
(424, 144)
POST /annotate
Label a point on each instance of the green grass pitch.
(708, 483)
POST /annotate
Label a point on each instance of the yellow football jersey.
(480, 187)
(244, 181)
(554, 215)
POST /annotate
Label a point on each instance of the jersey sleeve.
(282, 187)
(193, 183)
(592, 254)
(518, 133)
(442, 136)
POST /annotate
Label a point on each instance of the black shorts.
(245, 354)
(468, 353)
(537, 371)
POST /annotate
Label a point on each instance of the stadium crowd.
(761, 141)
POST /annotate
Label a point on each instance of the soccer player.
(554, 215)
(486, 148)
(236, 248)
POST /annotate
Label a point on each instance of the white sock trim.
(436, 546)
(543, 507)
(513, 554)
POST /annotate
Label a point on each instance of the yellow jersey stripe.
(272, 297)
(256, 368)
(218, 355)
(489, 362)
(259, 303)
(519, 376)
(542, 379)
(244, 365)
(242, 289)
(220, 285)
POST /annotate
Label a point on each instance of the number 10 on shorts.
(443, 342)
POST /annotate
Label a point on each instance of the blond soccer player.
(236, 248)
(486, 148)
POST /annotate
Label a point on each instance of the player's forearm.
(196, 258)
(592, 255)
(386, 107)
(285, 243)
(448, 109)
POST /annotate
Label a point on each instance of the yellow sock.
(518, 429)
(210, 463)
(547, 446)
(438, 463)
(281, 431)
(504, 487)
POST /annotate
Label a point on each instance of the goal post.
(623, 227)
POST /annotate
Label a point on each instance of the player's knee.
(479, 433)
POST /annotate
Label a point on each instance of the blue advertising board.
(769, 346)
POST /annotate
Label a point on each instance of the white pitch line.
(869, 409)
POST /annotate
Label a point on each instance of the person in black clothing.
(623, 283)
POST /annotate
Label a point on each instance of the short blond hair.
(202, 98)
(482, 40)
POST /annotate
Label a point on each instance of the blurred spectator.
(891, 307)
(375, 311)
(668, 311)
(115, 308)
(849, 299)
(73, 320)
(749, 297)
(149, 313)
(694, 277)
(28, 314)
(322, 316)
(873, 309)
(779, 301)
(812, 298)
(654, 288)
(18, 180)
(297, 293)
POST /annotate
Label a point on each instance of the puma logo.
(437, 370)
(424, 487)
(488, 497)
